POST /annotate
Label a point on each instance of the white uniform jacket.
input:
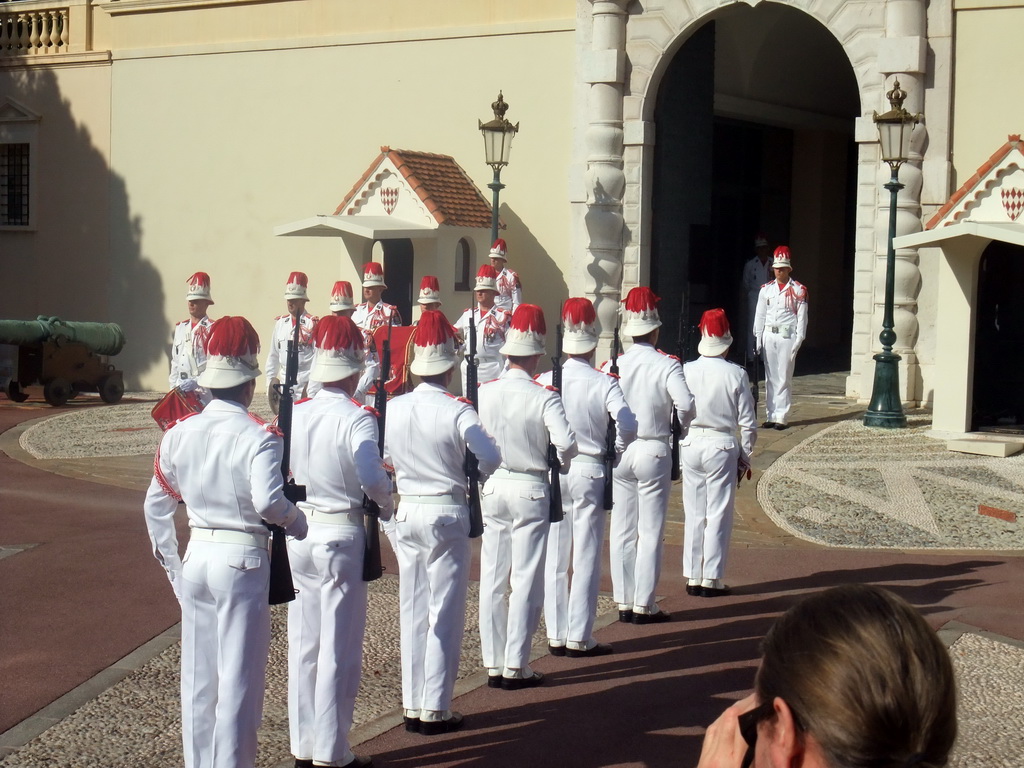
(722, 401)
(653, 383)
(277, 357)
(426, 436)
(491, 327)
(225, 464)
(335, 454)
(510, 290)
(589, 397)
(188, 353)
(524, 441)
(782, 309)
(756, 274)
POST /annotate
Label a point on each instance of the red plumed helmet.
(341, 296)
(430, 290)
(486, 279)
(640, 313)
(434, 339)
(199, 288)
(373, 274)
(782, 257)
(335, 332)
(339, 349)
(525, 335)
(231, 350)
(580, 320)
(714, 331)
(296, 286)
(499, 249)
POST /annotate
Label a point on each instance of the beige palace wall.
(215, 149)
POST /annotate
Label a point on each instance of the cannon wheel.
(111, 389)
(15, 393)
(57, 392)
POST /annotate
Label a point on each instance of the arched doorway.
(754, 121)
(998, 402)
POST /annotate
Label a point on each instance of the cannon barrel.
(101, 338)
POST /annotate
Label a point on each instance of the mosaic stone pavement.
(839, 489)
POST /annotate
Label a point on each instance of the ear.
(786, 744)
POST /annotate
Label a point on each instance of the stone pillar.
(902, 56)
(604, 180)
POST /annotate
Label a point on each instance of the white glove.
(757, 345)
(174, 576)
(188, 385)
(298, 528)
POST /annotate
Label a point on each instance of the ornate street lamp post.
(498, 135)
(895, 128)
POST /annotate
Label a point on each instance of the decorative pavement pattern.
(838, 489)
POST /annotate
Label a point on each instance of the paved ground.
(88, 646)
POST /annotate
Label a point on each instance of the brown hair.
(865, 674)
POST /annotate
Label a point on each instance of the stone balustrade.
(37, 30)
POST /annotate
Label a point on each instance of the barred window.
(14, 168)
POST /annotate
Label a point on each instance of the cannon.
(65, 357)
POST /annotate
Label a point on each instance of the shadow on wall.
(81, 258)
(542, 278)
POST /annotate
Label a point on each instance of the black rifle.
(609, 438)
(556, 514)
(372, 566)
(755, 390)
(282, 589)
(682, 345)
(476, 515)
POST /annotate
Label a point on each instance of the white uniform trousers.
(325, 637)
(433, 561)
(486, 370)
(643, 481)
(779, 360)
(225, 640)
(569, 611)
(709, 464)
(512, 553)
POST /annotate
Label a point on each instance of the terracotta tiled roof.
(445, 189)
(972, 184)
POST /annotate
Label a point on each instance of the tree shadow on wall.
(82, 259)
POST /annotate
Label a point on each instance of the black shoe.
(781, 427)
(359, 762)
(626, 617)
(303, 763)
(494, 681)
(435, 727)
(601, 649)
(412, 724)
(516, 683)
(693, 590)
(768, 425)
(556, 650)
(715, 591)
(651, 618)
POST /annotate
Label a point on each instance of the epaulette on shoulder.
(176, 422)
(280, 317)
(611, 375)
(465, 400)
(313, 318)
(768, 283)
(666, 354)
(546, 386)
(303, 400)
(373, 411)
(183, 322)
(257, 419)
(503, 311)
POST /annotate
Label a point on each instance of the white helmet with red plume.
(434, 338)
(430, 290)
(339, 349)
(373, 274)
(486, 279)
(499, 250)
(526, 332)
(640, 313)
(296, 286)
(231, 350)
(199, 288)
(782, 258)
(341, 296)
(580, 322)
(715, 338)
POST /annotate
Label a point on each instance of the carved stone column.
(902, 53)
(604, 179)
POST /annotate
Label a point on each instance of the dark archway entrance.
(754, 132)
(398, 274)
(998, 404)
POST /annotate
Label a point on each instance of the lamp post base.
(886, 409)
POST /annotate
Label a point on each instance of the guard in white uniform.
(372, 314)
(188, 346)
(712, 458)
(756, 272)
(653, 384)
(335, 455)
(524, 417)
(225, 464)
(510, 290)
(428, 432)
(492, 324)
(343, 304)
(780, 326)
(295, 296)
(590, 398)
